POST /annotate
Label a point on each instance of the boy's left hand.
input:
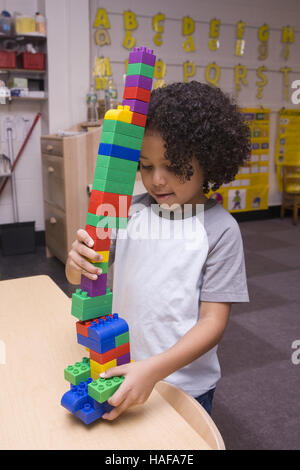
(136, 388)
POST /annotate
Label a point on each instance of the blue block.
(119, 152)
(81, 405)
(106, 344)
(104, 331)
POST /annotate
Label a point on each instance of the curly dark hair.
(195, 119)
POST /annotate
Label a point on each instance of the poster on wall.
(250, 188)
(288, 140)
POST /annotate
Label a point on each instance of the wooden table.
(39, 336)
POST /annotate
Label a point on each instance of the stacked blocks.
(103, 334)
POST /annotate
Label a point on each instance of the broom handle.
(21, 150)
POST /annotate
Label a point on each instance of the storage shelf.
(4, 70)
(28, 98)
(24, 36)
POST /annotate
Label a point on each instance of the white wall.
(255, 13)
(67, 83)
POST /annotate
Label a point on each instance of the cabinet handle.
(53, 220)
(50, 169)
(49, 147)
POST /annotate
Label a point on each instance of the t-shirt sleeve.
(224, 274)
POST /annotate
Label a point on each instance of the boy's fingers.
(118, 397)
(93, 277)
(84, 237)
(85, 267)
(113, 371)
(117, 411)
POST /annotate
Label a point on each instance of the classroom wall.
(67, 84)
(255, 13)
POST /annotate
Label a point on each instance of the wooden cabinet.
(68, 168)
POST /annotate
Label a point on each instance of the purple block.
(138, 80)
(94, 288)
(123, 359)
(137, 106)
(142, 54)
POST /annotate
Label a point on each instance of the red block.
(136, 93)
(109, 204)
(111, 354)
(101, 237)
(139, 119)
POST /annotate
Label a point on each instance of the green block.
(120, 164)
(103, 266)
(120, 127)
(140, 69)
(122, 339)
(103, 221)
(79, 372)
(113, 174)
(102, 389)
(87, 308)
(113, 186)
(122, 140)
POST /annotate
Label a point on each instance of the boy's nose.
(158, 179)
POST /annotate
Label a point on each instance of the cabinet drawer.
(53, 180)
(56, 237)
(52, 146)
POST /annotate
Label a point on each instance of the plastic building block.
(122, 339)
(125, 128)
(137, 106)
(102, 389)
(86, 308)
(101, 237)
(122, 113)
(101, 330)
(99, 368)
(136, 93)
(89, 413)
(123, 359)
(79, 372)
(121, 164)
(104, 346)
(121, 139)
(138, 81)
(101, 201)
(94, 288)
(142, 54)
(113, 174)
(105, 221)
(119, 152)
(140, 69)
(82, 326)
(114, 187)
(111, 354)
(139, 119)
(78, 402)
(104, 254)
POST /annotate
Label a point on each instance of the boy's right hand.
(77, 262)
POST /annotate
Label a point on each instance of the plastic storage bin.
(8, 60)
(33, 61)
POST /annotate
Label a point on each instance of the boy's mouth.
(162, 196)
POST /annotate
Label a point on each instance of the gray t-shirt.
(164, 267)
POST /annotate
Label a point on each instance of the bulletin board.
(288, 140)
(250, 188)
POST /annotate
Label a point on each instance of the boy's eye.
(144, 167)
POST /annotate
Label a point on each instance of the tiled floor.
(256, 405)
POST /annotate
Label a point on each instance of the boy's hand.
(136, 388)
(77, 259)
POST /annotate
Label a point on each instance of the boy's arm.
(141, 377)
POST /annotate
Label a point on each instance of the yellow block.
(105, 255)
(123, 113)
(99, 368)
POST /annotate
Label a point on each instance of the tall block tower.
(104, 333)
